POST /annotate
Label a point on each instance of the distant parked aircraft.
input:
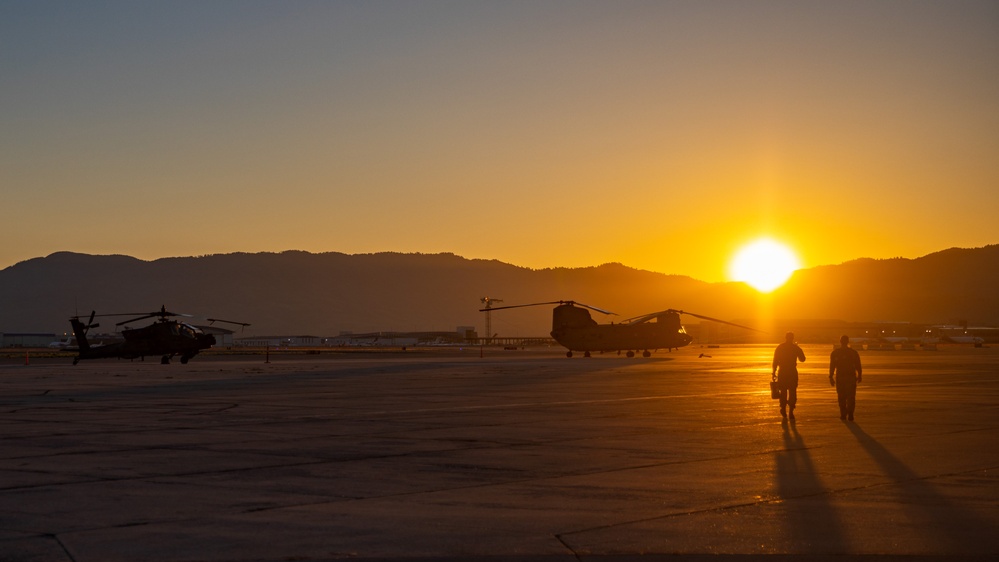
(164, 337)
(576, 330)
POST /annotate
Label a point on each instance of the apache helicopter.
(576, 330)
(163, 337)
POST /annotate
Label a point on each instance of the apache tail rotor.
(90, 323)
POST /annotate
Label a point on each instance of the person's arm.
(832, 369)
(860, 370)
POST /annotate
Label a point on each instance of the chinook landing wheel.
(568, 354)
(165, 360)
(630, 354)
(646, 354)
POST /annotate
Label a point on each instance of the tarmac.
(514, 455)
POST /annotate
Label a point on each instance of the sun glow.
(763, 264)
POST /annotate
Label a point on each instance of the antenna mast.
(489, 319)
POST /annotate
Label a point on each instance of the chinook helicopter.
(576, 330)
(164, 337)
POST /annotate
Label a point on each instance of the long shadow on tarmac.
(955, 528)
(810, 519)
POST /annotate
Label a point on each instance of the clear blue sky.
(663, 135)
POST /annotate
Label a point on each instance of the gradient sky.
(662, 135)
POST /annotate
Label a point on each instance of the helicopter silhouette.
(164, 337)
(576, 330)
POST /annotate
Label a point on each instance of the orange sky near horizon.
(661, 135)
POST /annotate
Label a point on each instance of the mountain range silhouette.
(324, 294)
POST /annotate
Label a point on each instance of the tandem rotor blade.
(720, 321)
(651, 315)
(591, 307)
(570, 303)
(519, 306)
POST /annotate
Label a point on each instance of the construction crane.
(489, 319)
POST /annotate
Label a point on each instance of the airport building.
(463, 335)
(223, 336)
(863, 335)
(279, 341)
(27, 340)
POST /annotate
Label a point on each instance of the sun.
(763, 264)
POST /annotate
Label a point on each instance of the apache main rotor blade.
(123, 314)
(133, 319)
(150, 314)
(244, 324)
(163, 313)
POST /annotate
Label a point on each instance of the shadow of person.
(941, 521)
(811, 522)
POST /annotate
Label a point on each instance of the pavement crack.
(216, 411)
(567, 547)
(62, 546)
(768, 501)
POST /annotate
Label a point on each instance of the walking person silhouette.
(785, 372)
(845, 373)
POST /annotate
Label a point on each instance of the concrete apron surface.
(516, 455)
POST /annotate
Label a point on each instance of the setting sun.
(763, 264)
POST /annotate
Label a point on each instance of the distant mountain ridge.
(323, 294)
